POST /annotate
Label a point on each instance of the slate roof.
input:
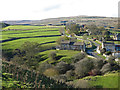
(108, 43)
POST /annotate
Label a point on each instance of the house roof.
(118, 34)
(110, 43)
(78, 43)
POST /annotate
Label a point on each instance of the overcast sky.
(42, 9)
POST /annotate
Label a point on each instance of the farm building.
(117, 36)
(109, 46)
(68, 45)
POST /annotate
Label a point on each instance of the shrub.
(83, 67)
(81, 84)
(62, 67)
(51, 72)
(61, 78)
(98, 64)
(70, 74)
(94, 72)
(78, 57)
(111, 60)
(106, 68)
(43, 66)
(52, 55)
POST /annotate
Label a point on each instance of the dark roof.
(118, 34)
(108, 43)
(78, 43)
(71, 43)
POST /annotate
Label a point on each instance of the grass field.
(13, 39)
(110, 80)
(106, 81)
(63, 55)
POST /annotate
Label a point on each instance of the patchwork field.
(17, 35)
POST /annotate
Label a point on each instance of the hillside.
(98, 20)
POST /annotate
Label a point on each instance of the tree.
(62, 67)
(83, 67)
(27, 54)
(106, 68)
(78, 56)
(4, 25)
(44, 66)
(95, 30)
(58, 41)
(52, 55)
(73, 27)
(62, 30)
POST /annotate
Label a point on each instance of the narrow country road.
(91, 51)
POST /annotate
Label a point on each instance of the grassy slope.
(107, 81)
(65, 54)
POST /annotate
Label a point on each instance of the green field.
(13, 39)
(64, 55)
(110, 80)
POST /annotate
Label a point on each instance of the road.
(91, 51)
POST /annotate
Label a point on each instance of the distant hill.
(97, 20)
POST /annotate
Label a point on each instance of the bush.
(52, 55)
(66, 59)
(83, 67)
(94, 72)
(43, 66)
(98, 64)
(51, 72)
(106, 68)
(78, 57)
(111, 60)
(61, 78)
(81, 84)
(70, 74)
(62, 67)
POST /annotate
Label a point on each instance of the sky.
(42, 9)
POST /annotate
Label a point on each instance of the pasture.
(17, 35)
